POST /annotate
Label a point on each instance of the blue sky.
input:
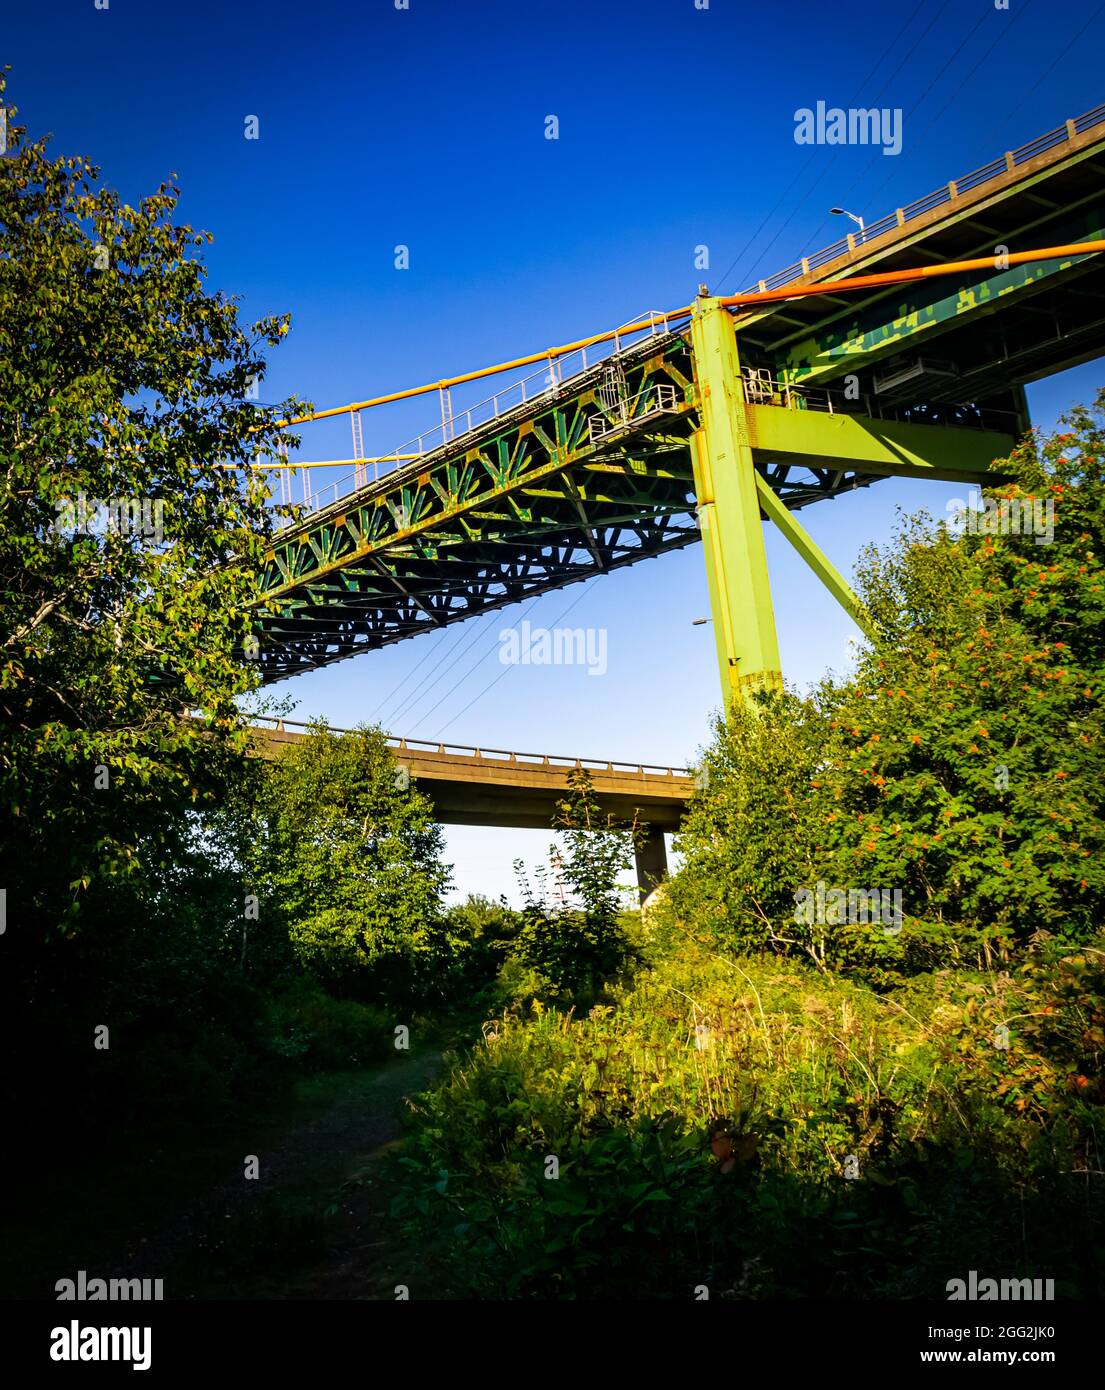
(426, 127)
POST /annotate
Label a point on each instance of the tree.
(971, 753)
(128, 542)
(578, 947)
(958, 766)
(346, 858)
(751, 838)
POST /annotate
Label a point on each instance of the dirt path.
(295, 1231)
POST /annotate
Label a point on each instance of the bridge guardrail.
(762, 388)
(493, 754)
(550, 378)
(902, 216)
(545, 383)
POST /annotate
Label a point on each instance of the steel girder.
(543, 499)
(600, 473)
(574, 484)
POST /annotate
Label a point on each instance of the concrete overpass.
(493, 787)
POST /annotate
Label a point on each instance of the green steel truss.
(702, 433)
(599, 477)
(552, 493)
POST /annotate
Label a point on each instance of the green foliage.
(706, 1121)
(126, 826)
(969, 753)
(482, 933)
(344, 857)
(303, 1024)
(751, 837)
(596, 849)
(125, 383)
(576, 949)
(960, 763)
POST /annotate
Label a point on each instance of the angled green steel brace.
(817, 560)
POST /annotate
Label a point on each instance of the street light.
(843, 212)
(697, 622)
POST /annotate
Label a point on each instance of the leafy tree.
(970, 754)
(482, 931)
(959, 764)
(751, 837)
(128, 546)
(578, 948)
(128, 543)
(346, 858)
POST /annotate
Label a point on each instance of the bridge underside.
(513, 791)
(613, 466)
(937, 347)
(551, 500)
(508, 524)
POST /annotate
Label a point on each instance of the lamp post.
(843, 212)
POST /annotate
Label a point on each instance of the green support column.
(729, 512)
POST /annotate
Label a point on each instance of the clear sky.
(426, 127)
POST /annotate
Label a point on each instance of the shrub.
(766, 1129)
(306, 1025)
(577, 946)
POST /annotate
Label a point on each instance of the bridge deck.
(482, 786)
(596, 471)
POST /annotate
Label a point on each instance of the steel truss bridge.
(901, 350)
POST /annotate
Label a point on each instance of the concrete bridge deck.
(494, 787)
